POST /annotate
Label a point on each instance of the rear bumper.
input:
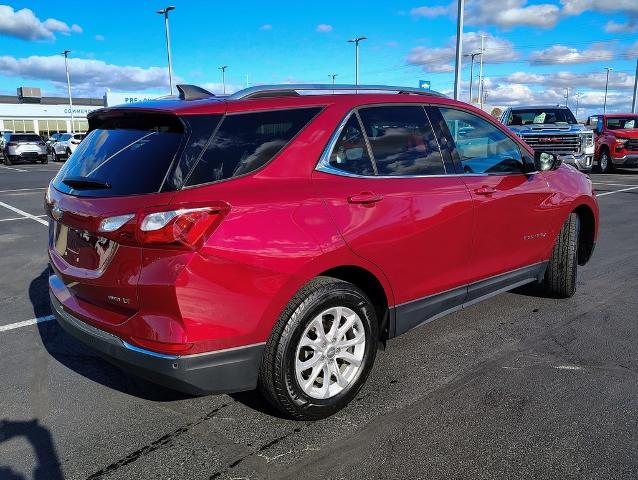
(223, 371)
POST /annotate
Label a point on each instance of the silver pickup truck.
(553, 129)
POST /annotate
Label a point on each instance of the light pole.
(223, 69)
(609, 69)
(356, 57)
(164, 12)
(567, 97)
(68, 86)
(577, 101)
(472, 55)
(633, 102)
(333, 75)
(459, 50)
(481, 70)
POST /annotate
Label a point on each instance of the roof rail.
(289, 90)
(193, 92)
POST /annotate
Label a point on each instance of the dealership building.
(30, 112)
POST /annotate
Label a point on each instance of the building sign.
(425, 84)
(119, 98)
(35, 110)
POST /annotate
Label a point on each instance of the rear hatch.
(27, 144)
(130, 161)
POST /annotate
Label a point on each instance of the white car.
(66, 145)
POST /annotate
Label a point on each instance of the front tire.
(561, 273)
(605, 163)
(321, 350)
(7, 160)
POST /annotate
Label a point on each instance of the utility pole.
(68, 86)
(471, 55)
(481, 70)
(223, 69)
(356, 57)
(633, 103)
(164, 12)
(567, 97)
(577, 101)
(333, 75)
(609, 69)
(459, 49)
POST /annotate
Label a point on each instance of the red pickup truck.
(616, 141)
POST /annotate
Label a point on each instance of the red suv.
(616, 141)
(277, 237)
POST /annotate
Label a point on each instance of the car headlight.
(587, 139)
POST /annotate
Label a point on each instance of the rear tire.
(303, 336)
(605, 163)
(45, 160)
(562, 271)
(54, 156)
(7, 160)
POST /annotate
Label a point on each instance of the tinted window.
(530, 116)
(622, 123)
(130, 152)
(25, 138)
(481, 146)
(402, 141)
(350, 153)
(244, 142)
(65, 137)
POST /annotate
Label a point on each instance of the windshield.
(131, 153)
(25, 138)
(622, 123)
(541, 116)
(64, 137)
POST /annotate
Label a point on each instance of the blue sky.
(534, 48)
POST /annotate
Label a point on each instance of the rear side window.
(350, 153)
(247, 141)
(402, 140)
(130, 153)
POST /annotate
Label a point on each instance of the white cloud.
(632, 52)
(324, 28)
(441, 59)
(617, 80)
(218, 88)
(507, 14)
(25, 25)
(430, 12)
(560, 54)
(576, 7)
(266, 27)
(99, 38)
(91, 77)
(629, 26)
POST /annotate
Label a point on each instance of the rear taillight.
(186, 227)
(75, 142)
(12, 144)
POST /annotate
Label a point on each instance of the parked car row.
(30, 147)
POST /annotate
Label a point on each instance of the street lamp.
(472, 55)
(481, 85)
(609, 69)
(223, 69)
(333, 81)
(164, 12)
(567, 97)
(459, 49)
(68, 86)
(356, 57)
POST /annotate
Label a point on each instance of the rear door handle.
(365, 198)
(484, 190)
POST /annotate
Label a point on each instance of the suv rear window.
(25, 138)
(245, 142)
(130, 152)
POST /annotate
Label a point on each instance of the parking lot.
(520, 386)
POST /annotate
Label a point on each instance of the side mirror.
(545, 161)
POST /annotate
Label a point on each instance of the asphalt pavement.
(519, 386)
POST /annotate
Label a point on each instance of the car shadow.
(75, 356)
(47, 462)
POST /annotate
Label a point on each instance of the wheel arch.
(587, 233)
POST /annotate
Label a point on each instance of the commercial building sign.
(119, 98)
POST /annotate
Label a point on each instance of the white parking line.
(614, 184)
(26, 323)
(19, 218)
(607, 193)
(23, 190)
(24, 214)
(11, 168)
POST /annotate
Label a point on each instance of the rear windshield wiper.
(84, 183)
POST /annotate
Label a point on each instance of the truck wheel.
(321, 350)
(7, 160)
(561, 273)
(606, 165)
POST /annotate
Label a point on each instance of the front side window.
(245, 142)
(350, 153)
(622, 123)
(402, 141)
(482, 147)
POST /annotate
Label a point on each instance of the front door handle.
(365, 198)
(485, 190)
